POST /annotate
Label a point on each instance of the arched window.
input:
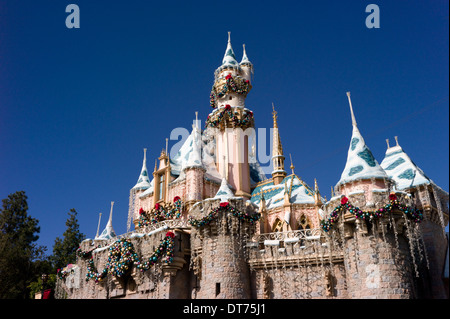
(277, 226)
(305, 224)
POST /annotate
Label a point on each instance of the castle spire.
(317, 199)
(351, 110)
(229, 58)
(361, 164)
(278, 173)
(244, 56)
(108, 232)
(143, 180)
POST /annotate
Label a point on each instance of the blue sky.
(77, 106)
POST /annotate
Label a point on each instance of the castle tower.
(365, 184)
(433, 200)
(278, 173)
(142, 185)
(194, 170)
(232, 120)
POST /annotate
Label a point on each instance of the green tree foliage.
(64, 250)
(18, 250)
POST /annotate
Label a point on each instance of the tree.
(64, 250)
(18, 250)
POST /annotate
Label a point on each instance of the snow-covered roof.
(361, 164)
(245, 59)
(224, 192)
(229, 59)
(108, 232)
(274, 195)
(399, 166)
(143, 180)
(148, 190)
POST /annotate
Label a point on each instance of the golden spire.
(278, 173)
(274, 114)
(277, 147)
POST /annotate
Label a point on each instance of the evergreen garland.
(160, 213)
(122, 256)
(237, 85)
(246, 119)
(411, 213)
(223, 207)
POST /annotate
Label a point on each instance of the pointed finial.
(229, 36)
(156, 165)
(351, 110)
(110, 214)
(292, 164)
(98, 227)
(167, 144)
(396, 140)
(274, 114)
(387, 142)
(196, 119)
(317, 198)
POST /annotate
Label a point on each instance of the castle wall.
(376, 268)
(219, 257)
(301, 282)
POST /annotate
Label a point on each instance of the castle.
(208, 223)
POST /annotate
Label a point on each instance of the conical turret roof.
(229, 59)
(399, 166)
(245, 59)
(224, 192)
(143, 180)
(108, 232)
(361, 164)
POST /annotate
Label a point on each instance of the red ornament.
(344, 200)
(247, 81)
(157, 206)
(170, 234)
(224, 204)
(176, 198)
(228, 76)
(227, 107)
(392, 196)
(141, 211)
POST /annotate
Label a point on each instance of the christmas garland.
(246, 119)
(223, 207)
(122, 256)
(236, 85)
(412, 213)
(63, 273)
(159, 213)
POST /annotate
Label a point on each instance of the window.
(304, 224)
(217, 288)
(161, 187)
(277, 226)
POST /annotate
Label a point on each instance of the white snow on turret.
(108, 232)
(224, 192)
(361, 164)
(143, 180)
(399, 166)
